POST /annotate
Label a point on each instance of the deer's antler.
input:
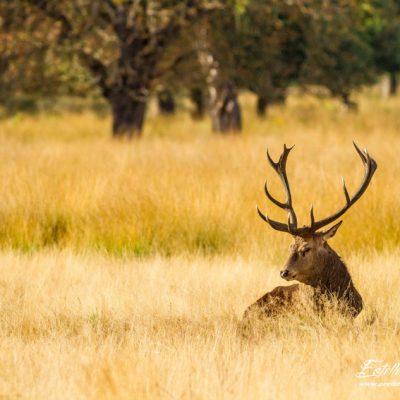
(280, 168)
(370, 166)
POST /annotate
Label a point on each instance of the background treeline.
(203, 50)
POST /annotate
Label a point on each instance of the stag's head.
(310, 248)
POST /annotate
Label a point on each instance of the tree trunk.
(223, 102)
(225, 109)
(128, 115)
(393, 84)
(262, 104)
(166, 103)
(351, 105)
(197, 99)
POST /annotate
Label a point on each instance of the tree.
(216, 58)
(198, 102)
(337, 55)
(382, 30)
(120, 43)
(30, 62)
(269, 49)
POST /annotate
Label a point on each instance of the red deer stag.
(312, 261)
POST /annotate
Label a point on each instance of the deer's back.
(275, 301)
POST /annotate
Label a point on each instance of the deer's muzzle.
(284, 273)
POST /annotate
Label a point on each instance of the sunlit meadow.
(126, 266)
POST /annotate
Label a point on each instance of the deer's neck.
(335, 280)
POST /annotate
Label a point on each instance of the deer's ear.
(330, 233)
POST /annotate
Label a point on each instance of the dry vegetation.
(125, 267)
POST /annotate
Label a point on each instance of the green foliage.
(337, 55)
(241, 5)
(53, 48)
(270, 47)
(382, 30)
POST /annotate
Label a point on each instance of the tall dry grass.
(125, 267)
(84, 326)
(64, 183)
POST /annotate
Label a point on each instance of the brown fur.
(314, 263)
(274, 302)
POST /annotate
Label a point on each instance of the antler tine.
(272, 199)
(370, 166)
(312, 219)
(364, 157)
(346, 193)
(280, 168)
(274, 224)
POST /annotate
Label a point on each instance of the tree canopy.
(208, 50)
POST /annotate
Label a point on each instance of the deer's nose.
(284, 273)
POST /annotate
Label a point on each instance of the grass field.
(125, 267)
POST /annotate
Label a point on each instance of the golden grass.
(84, 326)
(192, 193)
(125, 267)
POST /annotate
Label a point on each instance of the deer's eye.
(303, 252)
